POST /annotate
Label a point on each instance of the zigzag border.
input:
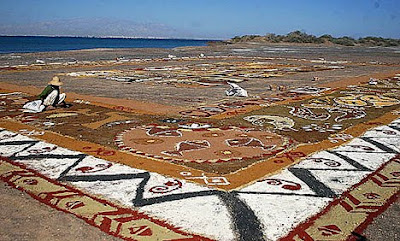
(299, 233)
(15, 175)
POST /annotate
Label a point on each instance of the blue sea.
(45, 44)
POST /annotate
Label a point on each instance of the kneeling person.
(51, 95)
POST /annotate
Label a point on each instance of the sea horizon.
(112, 37)
(33, 44)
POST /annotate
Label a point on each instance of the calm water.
(45, 44)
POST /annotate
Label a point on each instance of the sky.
(216, 18)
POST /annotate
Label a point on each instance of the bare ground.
(24, 218)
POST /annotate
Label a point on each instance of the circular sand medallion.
(209, 145)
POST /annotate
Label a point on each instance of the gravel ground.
(24, 218)
(385, 227)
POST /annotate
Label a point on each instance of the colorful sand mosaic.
(309, 155)
(227, 137)
(357, 180)
(203, 74)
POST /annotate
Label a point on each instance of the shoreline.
(209, 44)
(39, 44)
(111, 37)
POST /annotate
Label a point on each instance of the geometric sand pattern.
(310, 163)
(238, 141)
(356, 180)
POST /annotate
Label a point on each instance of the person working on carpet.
(52, 96)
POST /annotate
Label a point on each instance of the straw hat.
(56, 81)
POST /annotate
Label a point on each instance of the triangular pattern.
(339, 181)
(280, 217)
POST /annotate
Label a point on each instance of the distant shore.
(298, 37)
(110, 37)
(32, 44)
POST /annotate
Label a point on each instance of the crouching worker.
(52, 96)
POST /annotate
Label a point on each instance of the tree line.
(301, 37)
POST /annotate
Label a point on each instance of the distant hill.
(301, 37)
(94, 27)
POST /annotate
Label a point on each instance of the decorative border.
(110, 218)
(300, 186)
(383, 188)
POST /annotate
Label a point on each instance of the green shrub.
(302, 37)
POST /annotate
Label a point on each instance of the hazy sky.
(222, 18)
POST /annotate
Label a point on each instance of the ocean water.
(46, 44)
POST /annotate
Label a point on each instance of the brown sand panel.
(204, 145)
(31, 90)
(130, 105)
(112, 116)
(222, 168)
(288, 100)
(113, 103)
(234, 112)
(359, 79)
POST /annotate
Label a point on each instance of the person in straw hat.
(51, 95)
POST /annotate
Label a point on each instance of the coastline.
(110, 37)
(32, 44)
